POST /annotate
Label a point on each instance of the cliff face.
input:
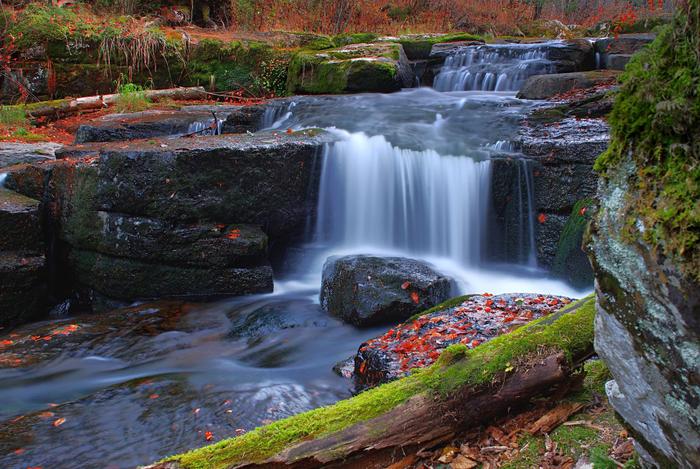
(643, 246)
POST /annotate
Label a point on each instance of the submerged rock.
(367, 290)
(469, 320)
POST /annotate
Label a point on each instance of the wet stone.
(418, 343)
(368, 290)
(22, 287)
(20, 225)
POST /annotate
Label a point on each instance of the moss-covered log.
(462, 389)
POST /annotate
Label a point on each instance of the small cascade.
(527, 252)
(3, 176)
(378, 196)
(493, 67)
(209, 127)
(275, 114)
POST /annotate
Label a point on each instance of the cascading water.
(378, 196)
(526, 212)
(493, 67)
(208, 127)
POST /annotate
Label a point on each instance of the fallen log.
(63, 107)
(380, 427)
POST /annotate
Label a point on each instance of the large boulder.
(546, 86)
(575, 55)
(368, 290)
(356, 68)
(645, 249)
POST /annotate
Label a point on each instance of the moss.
(655, 122)
(597, 374)
(571, 333)
(569, 261)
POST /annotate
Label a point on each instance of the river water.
(409, 175)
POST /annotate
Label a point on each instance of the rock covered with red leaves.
(420, 342)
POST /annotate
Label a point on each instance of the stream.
(409, 176)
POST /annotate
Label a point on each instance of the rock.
(356, 68)
(545, 28)
(469, 320)
(575, 55)
(623, 43)
(150, 124)
(570, 261)
(20, 223)
(617, 61)
(272, 318)
(615, 52)
(559, 158)
(185, 218)
(202, 244)
(16, 153)
(368, 290)
(232, 179)
(643, 245)
(244, 119)
(546, 86)
(23, 290)
(129, 279)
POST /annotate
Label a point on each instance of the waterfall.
(209, 127)
(275, 114)
(493, 67)
(376, 195)
(526, 214)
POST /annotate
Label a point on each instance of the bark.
(423, 422)
(60, 108)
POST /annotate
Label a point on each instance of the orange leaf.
(415, 298)
(59, 422)
(208, 436)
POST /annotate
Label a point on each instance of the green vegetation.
(569, 246)
(451, 303)
(12, 115)
(570, 331)
(132, 98)
(656, 124)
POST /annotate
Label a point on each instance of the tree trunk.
(68, 106)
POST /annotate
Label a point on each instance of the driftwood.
(427, 419)
(68, 106)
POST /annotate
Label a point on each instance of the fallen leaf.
(208, 436)
(59, 422)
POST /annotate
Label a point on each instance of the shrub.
(132, 98)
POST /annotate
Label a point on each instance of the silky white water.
(493, 67)
(375, 194)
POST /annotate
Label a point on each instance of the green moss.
(13, 115)
(655, 122)
(569, 261)
(570, 331)
(597, 374)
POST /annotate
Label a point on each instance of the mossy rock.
(418, 46)
(571, 262)
(378, 68)
(655, 120)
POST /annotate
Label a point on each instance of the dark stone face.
(367, 290)
(186, 218)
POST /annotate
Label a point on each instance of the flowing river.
(409, 175)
